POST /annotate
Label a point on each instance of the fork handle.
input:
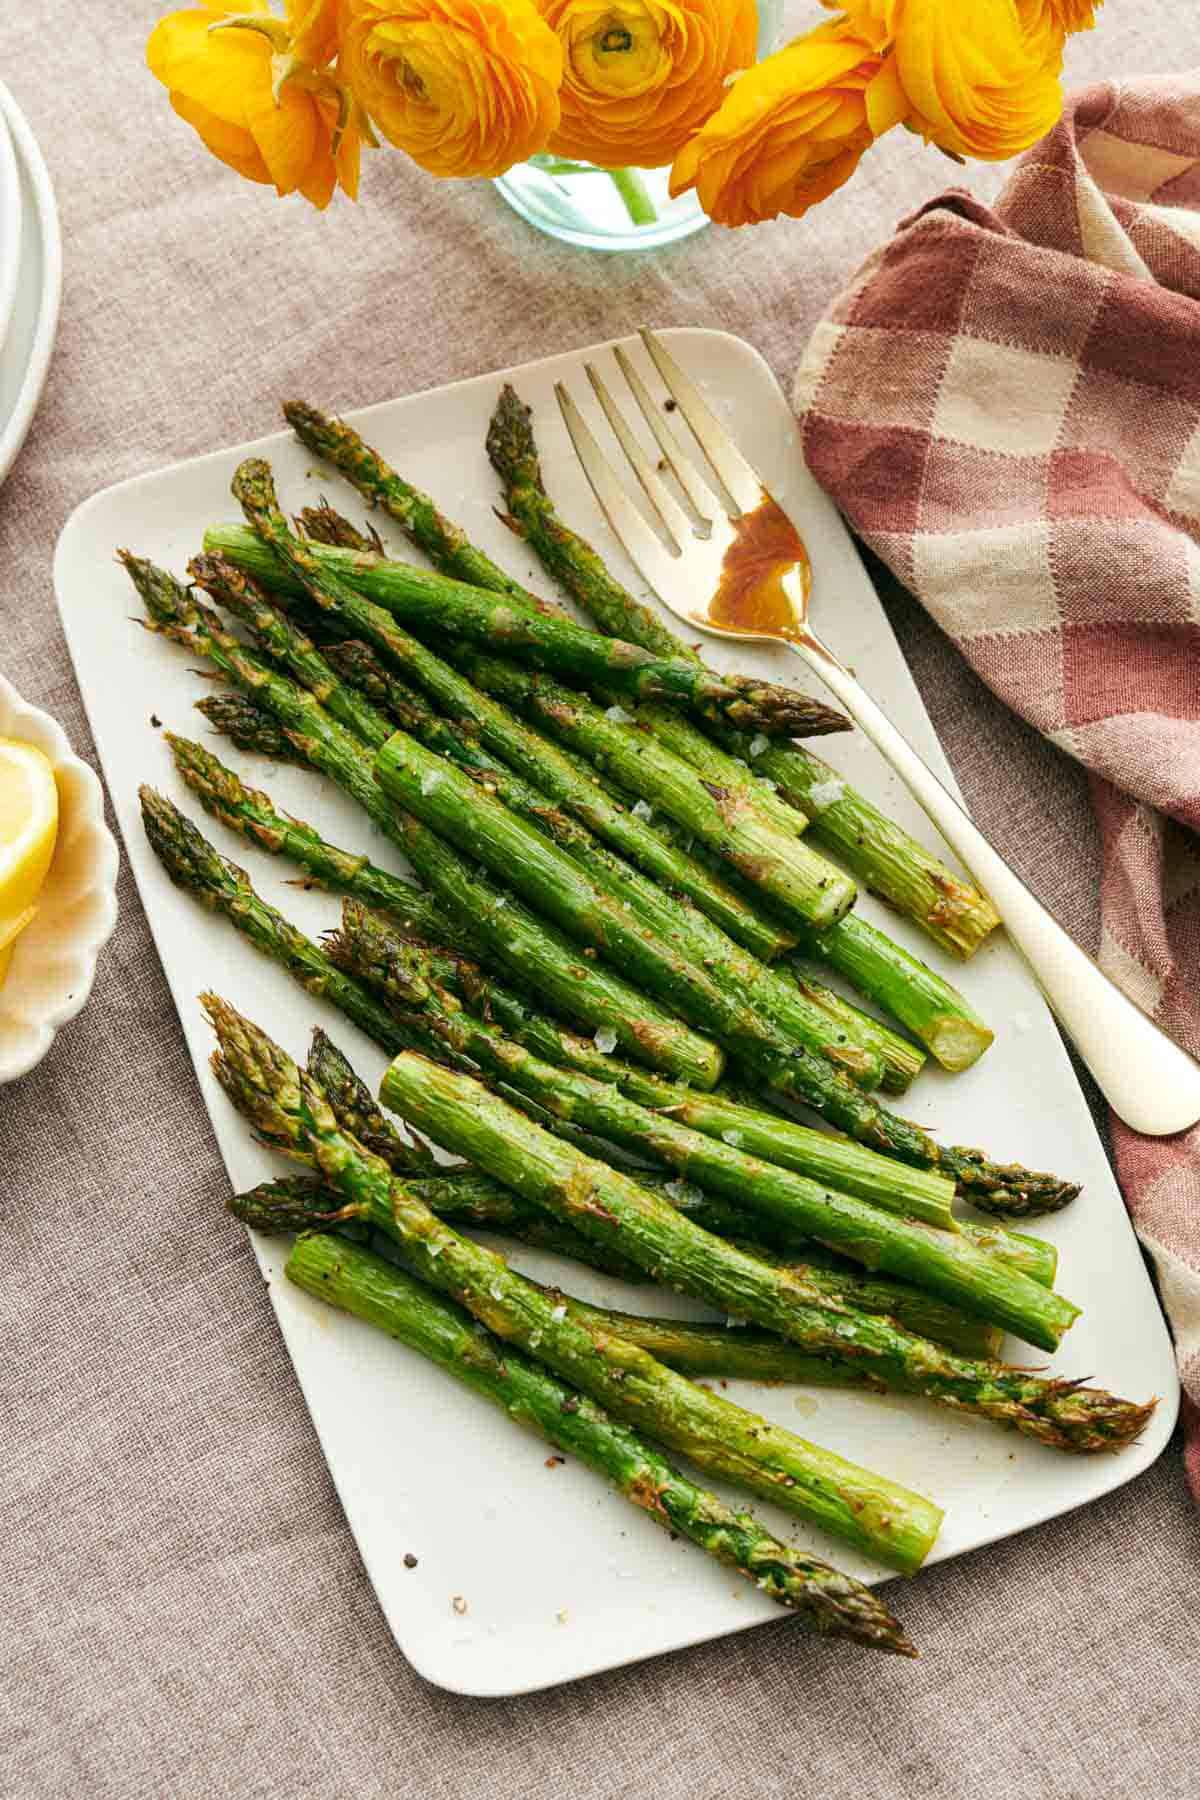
(1149, 1082)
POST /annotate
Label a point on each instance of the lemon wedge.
(28, 830)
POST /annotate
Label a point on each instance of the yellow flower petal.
(640, 76)
(790, 131)
(286, 134)
(887, 102)
(976, 85)
(230, 143)
(466, 87)
(222, 83)
(215, 69)
(314, 25)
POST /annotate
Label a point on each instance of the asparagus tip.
(510, 443)
(253, 484)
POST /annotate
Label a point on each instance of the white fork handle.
(1147, 1080)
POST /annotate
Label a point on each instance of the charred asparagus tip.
(253, 485)
(510, 441)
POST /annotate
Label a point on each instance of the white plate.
(26, 347)
(561, 1577)
(11, 223)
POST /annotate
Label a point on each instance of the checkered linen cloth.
(1006, 406)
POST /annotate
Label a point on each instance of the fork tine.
(678, 526)
(645, 547)
(685, 471)
(739, 480)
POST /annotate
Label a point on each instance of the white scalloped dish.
(54, 959)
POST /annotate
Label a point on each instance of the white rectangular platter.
(559, 1576)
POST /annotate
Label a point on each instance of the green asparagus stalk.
(846, 1165)
(517, 940)
(764, 850)
(460, 1196)
(605, 1204)
(607, 905)
(943, 1262)
(467, 1199)
(446, 545)
(582, 990)
(884, 857)
(823, 1025)
(367, 571)
(429, 602)
(550, 880)
(876, 1516)
(566, 781)
(367, 948)
(837, 1161)
(342, 1275)
(1071, 1417)
(922, 1001)
(221, 886)
(481, 1201)
(714, 1350)
(250, 813)
(901, 1059)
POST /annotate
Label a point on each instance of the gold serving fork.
(732, 563)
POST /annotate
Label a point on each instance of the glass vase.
(601, 209)
(613, 209)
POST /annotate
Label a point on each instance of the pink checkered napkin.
(1006, 406)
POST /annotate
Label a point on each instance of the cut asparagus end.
(956, 1042)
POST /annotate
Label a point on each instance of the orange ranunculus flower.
(790, 131)
(640, 76)
(1066, 16)
(974, 80)
(467, 87)
(314, 30)
(1048, 23)
(257, 108)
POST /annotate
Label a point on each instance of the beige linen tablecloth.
(184, 1613)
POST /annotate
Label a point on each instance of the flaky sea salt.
(641, 810)
(823, 793)
(429, 781)
(758, 744)
(682, 1191)
(618, 715)
(605, 1040)
(732, 1137)
(558, 1312)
